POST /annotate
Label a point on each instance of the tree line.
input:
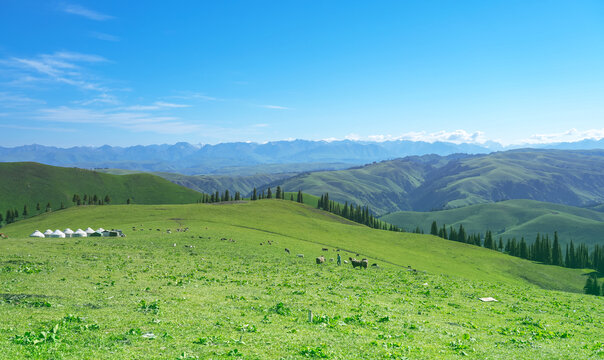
(356, 213)
(543, 249)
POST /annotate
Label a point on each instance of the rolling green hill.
(513, 218)
(31, 183)
(434, 183)
(226, 289)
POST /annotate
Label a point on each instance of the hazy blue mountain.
(228, 157)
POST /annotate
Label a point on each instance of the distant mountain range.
(251, 158)
(432, 182)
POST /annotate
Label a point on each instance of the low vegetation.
(225, 288)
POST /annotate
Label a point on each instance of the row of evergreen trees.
(13, 215)
(356, 213)
(90, 199)
(542, 249)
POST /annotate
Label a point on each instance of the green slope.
(304, 223)
(434, 183)
(30, 183)
(513, 218)
(193, 295)
(212, 183)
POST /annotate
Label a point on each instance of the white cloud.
(170, 105)
(134, 121)
(62, 67)
(87, 13)
(570, 135)
(105, 37)
(274, 107)
(11, 100)
(34, 128)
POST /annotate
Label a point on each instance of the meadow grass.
(227, 289)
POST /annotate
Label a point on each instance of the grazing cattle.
(364, 263)
(300, 255)
(320, 260)
(287, 250)
(324, 249)
(355, 263)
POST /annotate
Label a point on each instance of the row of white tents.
(70, 233)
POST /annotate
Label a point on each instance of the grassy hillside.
(513, 218)
(30, 183)
(434, 183)
(194, 295)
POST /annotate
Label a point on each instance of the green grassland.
(213, 183)
(432, 182)
(30, 183)
(227, 289)
(513, 218)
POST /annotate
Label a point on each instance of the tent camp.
(89, 231)
(37, 234)
(80, 233)
(68, 232)
(95, 234)
(57, 234)
(47, 233)
(100, 230)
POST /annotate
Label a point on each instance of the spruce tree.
(107, 199)
(48, 208)
(434, 229)
(38, 206)
(128, 201)
(300, 198)
(254, 194)
(278, 192)
(25, 213)
(269, 194)
(556, 251)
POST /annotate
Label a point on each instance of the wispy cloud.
(105, 37)
(155, 106)
(130, 120)
(274, 107)
(571, 135)
(34, 128)
(194, 96)
(13, 100)
(87, 13)
(62, 67)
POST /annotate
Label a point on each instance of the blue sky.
(127, 73)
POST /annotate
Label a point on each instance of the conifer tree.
(254, 194)
(291, 197)
(38, 206)
(300, 198)
(107, 199)
(48, 208)
(269, 194)
(128, 201)
(227, 195)
(278, 192)
(434, 229)
(25, 213)
(556, 251)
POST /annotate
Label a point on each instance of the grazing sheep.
(345, 261)
(331, 260)
(261, 243)
(300, 255)
(364, 263)
(287, 250)
(355, 263)
(374, 265)
(168, 231)
(324, 249)
(320, 260)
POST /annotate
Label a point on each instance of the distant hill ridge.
(432, 182)
(28, 183)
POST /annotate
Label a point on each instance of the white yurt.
(57, 234)
(37, 234)
(68, 232)
(100, 230)
(89, 231)
(47, 232)
(80, 233)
